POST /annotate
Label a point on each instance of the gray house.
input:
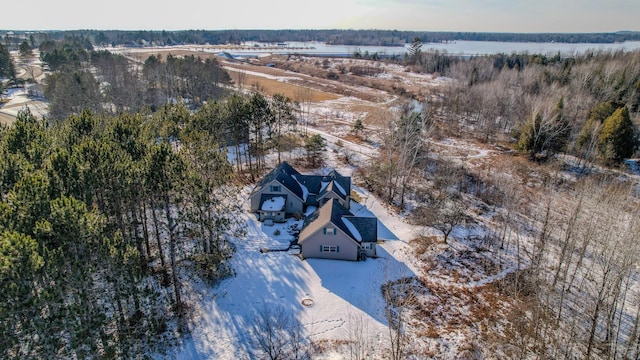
(332, 232)
(279, 183)
(298, 191)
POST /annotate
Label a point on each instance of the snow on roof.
(305, 191)
(340, 188)
(273, 204)
(352, 229)
(323, 185)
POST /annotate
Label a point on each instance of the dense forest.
(335, 37)
(112, 84)
(115, 197)
(101, 214)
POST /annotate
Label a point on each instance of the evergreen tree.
(7, 68)
(20, 263)
(314, 146)
(589, 138)
(261, 119)
(25, 50)
(618, 136)
(283, 116)
(357, 127)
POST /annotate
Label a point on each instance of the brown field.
(271, 87)
(141, 56)
(301, 78)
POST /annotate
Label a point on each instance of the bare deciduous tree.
(279, 335)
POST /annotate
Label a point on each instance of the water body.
(457, 48)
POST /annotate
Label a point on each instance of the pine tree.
(597, 116)
(314, 146)
(618, 136)
(7, 68)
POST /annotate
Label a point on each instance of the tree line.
(368, 37)
(101, 217)
(7, 69)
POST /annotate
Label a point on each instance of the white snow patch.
(273, 204)
(323, 185)
(305, 191)
(340, 188)
(352, 229)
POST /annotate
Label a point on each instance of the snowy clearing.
(222, 326)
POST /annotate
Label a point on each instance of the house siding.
(276, 216)
(370, 252)
(310, 247)
(293, 204)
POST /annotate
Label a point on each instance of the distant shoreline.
(332, 37)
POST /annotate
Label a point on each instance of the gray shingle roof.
(334, 212)
(366, 226)
(314, 183)
(283, 173)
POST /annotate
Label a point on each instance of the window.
(275, 188)
(329, 248)
(329, 231)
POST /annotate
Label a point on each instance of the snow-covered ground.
(18, 99)
(339, 290)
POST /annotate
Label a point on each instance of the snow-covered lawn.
(222, 327)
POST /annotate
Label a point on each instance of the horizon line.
(333, 29)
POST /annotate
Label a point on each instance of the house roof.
(360, 229)
(344, 182)
(335, 188)
(319, 184)
(283, 173)
(303, 185)
(311, 182)
(367, 227)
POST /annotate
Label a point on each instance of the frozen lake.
(462, 48)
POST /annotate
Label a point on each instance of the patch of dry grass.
(271, 87)
(143, 55)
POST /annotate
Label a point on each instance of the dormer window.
(275, 188)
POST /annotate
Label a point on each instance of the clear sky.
(422, 15)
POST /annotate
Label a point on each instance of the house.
(332, 232)
(298, 191)
(279, 183)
